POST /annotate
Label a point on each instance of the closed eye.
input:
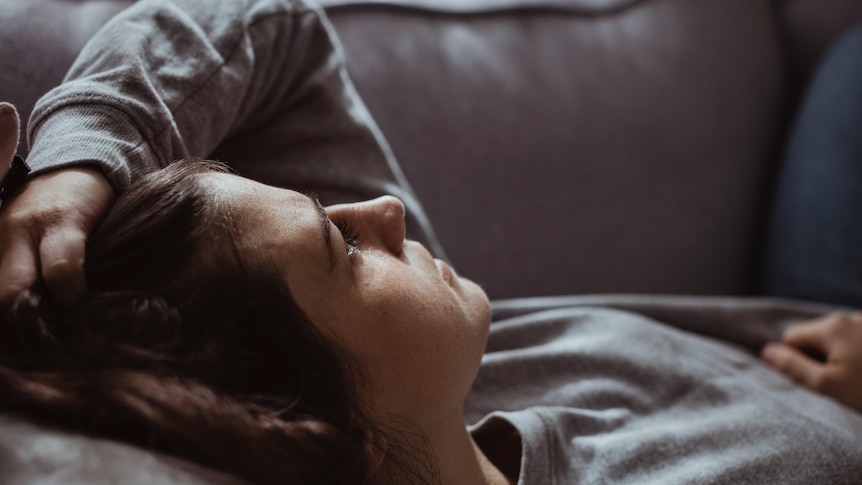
(348, 233)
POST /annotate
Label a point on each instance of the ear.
(9, 126)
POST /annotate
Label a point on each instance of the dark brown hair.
(180, 346)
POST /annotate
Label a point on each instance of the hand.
(837, 337)
(45, 227)
(8, 136)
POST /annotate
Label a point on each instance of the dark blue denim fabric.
(814, 242)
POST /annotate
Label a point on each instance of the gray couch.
(558, 146)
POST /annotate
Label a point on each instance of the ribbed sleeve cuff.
(89, 134)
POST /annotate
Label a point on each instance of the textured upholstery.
(39, 39)
(561, 153)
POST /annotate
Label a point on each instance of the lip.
(445, 271)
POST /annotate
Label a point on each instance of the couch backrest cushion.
(565, 151)
(39, 39)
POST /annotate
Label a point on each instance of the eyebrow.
(325, 227)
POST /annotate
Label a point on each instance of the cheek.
(421, 353)
(406, 327)
(418, 344)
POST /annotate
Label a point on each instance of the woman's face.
(417, 329)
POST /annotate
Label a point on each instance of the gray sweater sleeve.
(170, 79)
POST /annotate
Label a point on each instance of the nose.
(377, 221)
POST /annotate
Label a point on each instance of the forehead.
(267, 220)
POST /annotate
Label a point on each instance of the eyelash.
(349, 233)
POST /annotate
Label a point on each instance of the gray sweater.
(595, 395)
(612, 395)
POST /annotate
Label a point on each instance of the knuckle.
(75, 238)
(50, 214)
(61, 269)
(822, 382)
(63, 247)
(14, 219)
(816, 382)
(31, 217)
(9, 291)
(839, 325)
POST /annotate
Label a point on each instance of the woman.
(250, 329)
(266, 343)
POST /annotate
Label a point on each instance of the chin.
(478, 300)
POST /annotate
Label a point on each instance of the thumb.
(9, 127)
(794, 363)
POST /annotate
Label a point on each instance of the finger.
(795, 364)
(17, 269)
(813, 335)
(9, 128)
(62, 254)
